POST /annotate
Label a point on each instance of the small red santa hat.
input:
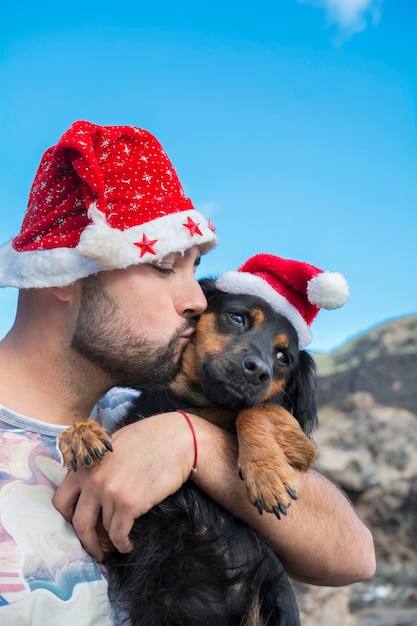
(104, 197)
(294, 289)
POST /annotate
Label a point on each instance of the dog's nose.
(256, 371)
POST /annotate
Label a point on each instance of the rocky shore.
(367, 443)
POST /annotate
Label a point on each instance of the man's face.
(134, 324)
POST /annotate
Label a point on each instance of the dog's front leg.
(272, 447)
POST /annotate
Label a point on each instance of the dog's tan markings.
(276, 386)
(189, 366)
(84, 444)
(272, 447)
(187, 382)
(208, 339)
(207, 342)
(258, 317)
(282, 341)
(220, 416)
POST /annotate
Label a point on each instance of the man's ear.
(67, 293)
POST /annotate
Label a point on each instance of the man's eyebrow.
(187, 253)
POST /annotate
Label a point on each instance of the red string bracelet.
(190, 424)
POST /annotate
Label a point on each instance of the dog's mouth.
(234, 398)
(237, 388)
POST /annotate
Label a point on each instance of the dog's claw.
(98, 453)
(292, 493)
(87, 461)
(282, 508)
(276, 511)
(259, 506)
(108, 445)
(74, 465)
(241, 475)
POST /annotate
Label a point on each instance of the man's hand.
(151, 459)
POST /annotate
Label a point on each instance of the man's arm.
(321, 540)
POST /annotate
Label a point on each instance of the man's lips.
(188, 334)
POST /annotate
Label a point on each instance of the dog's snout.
(255, 369)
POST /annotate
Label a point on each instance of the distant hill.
(382, 362)
(367, 442)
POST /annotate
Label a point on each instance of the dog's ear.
(300, 393)
(208, 285)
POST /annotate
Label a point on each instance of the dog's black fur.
(195, 564)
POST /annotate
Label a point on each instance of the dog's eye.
(282, 357)
(237, 319)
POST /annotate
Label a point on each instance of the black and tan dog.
(193, 563)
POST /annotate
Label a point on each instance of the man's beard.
(101, 336)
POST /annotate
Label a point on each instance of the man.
(105, 264)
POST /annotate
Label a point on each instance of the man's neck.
(44, 385)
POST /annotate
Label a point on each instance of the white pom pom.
(328, 290)
(101, 243)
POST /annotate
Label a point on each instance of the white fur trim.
(328, 290)
(113, 248)
(43, 268)
(244, 282)
(101, 248)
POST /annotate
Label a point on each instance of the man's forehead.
(193, 253)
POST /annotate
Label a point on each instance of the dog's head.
(245, 353)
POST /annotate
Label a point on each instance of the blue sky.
(291, 124)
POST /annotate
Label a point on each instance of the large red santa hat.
(104, 197)
(294, 289)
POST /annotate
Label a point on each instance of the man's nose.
(193, 301)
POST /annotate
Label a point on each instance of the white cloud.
(350, 16)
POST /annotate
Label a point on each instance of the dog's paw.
(84, 444)
(273, 450)
(271, 483)
(297, 447)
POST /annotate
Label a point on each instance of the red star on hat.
(193, 227)
(146, 245)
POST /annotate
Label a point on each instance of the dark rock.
(367, 443)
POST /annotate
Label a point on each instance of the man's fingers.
(84, 522)
(66, 496)
(92, 545)
(119, 530)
